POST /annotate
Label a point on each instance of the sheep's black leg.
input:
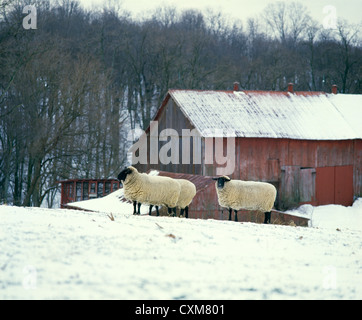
(170, 210)
(139, 207)
(151, 206)
(186, 212)
(182, 211)
(230, 214)
(267, 217)
(236, 215)
(134, 207)
(158, 213)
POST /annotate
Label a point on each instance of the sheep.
(248, 195)
(129, 195)
(152, 190)
(187, 193)
(121, 177)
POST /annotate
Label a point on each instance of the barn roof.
(272, 114)
(350, 107)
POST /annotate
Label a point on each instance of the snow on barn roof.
(272, 114)
(350, 107)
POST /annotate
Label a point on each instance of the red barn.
(308, 144)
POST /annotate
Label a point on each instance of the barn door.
(325, 185)
(288, 196)
(343, 192)
(334, 185)
(307, 185)
(297, 186)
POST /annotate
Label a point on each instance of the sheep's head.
(221, 181)
(125, 172)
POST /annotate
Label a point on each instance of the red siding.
(357, 168)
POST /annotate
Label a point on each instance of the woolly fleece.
(248, 195)
(155, 190)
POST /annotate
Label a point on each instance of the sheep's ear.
(123, 174)
(215, 179)
(226, 178)
(132, 169)
(128, 171)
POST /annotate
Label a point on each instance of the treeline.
(71, 89)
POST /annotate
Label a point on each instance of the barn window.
(100, 190)
(107, 188)
(78, 189)
(85, 191)
(70, 190)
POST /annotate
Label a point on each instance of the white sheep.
(187, 193)
(248, 195)
(152, 190)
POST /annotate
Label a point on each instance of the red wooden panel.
(357, 166)
(325, 185)
(68, 192)
(343, 193)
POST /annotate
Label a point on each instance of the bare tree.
(287, 20)
(348, 43)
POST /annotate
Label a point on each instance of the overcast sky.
(243, 9)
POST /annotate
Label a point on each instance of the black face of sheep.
(221, 181)
(123, 174)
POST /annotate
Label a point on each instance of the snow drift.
(73, 254)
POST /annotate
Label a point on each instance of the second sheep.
(248, 195)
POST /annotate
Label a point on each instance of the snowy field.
(69, 254)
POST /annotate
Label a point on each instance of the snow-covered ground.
(69, 254)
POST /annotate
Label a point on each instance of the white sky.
(242, 9)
